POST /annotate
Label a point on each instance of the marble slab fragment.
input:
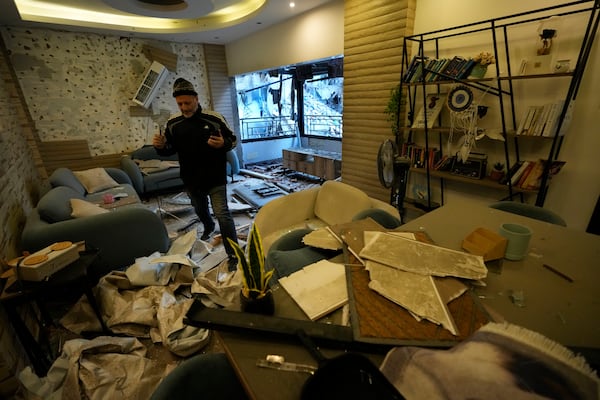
(318, 288)
(421, 258)
(322, 238)
(417, 293)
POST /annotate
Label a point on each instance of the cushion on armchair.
(338, 203)
(82, 208)
(288, 254)
(380, 216)
(55, 206)
(95, 179)
(65, 177)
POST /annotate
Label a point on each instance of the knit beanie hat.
(182, 87)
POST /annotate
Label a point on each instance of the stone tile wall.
(80, 85)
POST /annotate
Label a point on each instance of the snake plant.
(252, 262)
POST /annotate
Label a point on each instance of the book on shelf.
(414, 68)
(425, 69)
(466, 68)
(410, 69)
(434, 103)
(444, 163)
(553, 117)
(525, 174)
(543, 120)
(453, 67)
(533, 180)
(514, 179)
(528, 182)
(511, 171)
(429, 69)
(439, 68)
(419, 70)
(418, 155)
(567, 120)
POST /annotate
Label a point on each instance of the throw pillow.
(95, 179)
(82, 208)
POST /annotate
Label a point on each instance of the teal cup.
(518, 237)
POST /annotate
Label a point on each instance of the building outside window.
(299, 100)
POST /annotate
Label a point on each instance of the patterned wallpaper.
(80, 85)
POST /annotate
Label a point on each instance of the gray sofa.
(164, 179)
(122, 235)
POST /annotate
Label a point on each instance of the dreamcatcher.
(464, 113)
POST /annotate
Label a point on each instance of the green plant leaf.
(253, 262)
(246, 275)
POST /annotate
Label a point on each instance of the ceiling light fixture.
(292, 4)
(229, 12)
(163, 2)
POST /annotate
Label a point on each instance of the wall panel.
(373, 39)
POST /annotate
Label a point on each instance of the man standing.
(201, 139)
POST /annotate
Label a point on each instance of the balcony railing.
(267, 128)
(275, 128)
(323, 125)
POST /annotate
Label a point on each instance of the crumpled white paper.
(126, 372)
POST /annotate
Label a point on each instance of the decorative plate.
(460, 98)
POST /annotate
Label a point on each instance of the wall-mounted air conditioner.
(153, 79)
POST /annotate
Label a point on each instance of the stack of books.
(527, 175)
(425, 69)
(543, 120)
(419, 156)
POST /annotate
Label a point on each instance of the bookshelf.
(510, 88)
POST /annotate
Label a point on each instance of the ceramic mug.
(518, 237)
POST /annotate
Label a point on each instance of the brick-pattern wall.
(19, 191)
(373, 40)
(19, 179)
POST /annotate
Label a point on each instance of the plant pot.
(260, 305)
(496, 175)
(478, 71)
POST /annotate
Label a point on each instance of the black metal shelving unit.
(499, 85)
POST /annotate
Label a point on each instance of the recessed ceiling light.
(292, 4)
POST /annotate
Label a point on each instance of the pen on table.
(557, 272)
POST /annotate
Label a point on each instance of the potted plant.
(497, 172)
(393, 108)
(256, 295)
(482, 60)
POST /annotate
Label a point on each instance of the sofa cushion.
(95, 179)
(148, 152)
(380, 216)
(338, 203)
(81, 208)
(55, 206)
(65, 177)
(287, 262)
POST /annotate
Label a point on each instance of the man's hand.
(216, 141)
(159, 141)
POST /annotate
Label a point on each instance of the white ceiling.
(203, 20)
